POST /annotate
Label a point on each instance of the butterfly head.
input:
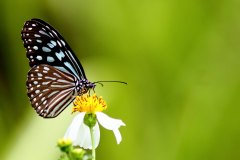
(85, 86)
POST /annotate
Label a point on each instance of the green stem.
(68, 155)
(93, 148)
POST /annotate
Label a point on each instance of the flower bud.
(65, 145)
(77, 153)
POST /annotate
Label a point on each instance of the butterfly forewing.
(50, 90)
(45, 45)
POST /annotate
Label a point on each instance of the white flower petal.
(96, 135)
(84, 137)
(110, 124)
(79, 133)
(74, 127)
(117, 135)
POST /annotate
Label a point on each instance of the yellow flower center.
(89, 104)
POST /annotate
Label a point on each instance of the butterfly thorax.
(83, 86)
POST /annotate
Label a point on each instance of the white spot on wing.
(44, 102)
(54, 32)
(39, 41)
(52, 78)
(62, 80)
(67, 64)
(46, 49)
(39, 74)
(44, 33)
(60, 55)
(39, 58)
(50, 45)
(52, 93)
(50, 59)
(37, 35)
(63, 42)
(53, 42)
(46, 68)
(45, 90)
(35, 47)
(61, 69)
(57, 75)
(45, 83)
(43, 99)
(51, 34)
(59, 44)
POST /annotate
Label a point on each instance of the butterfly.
(56, 76)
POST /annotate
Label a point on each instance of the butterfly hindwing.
(50, 90)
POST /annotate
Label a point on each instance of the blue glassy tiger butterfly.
(56, 76)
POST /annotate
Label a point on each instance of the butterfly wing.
(44, 45)
(50, 90)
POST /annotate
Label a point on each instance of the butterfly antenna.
(100, 82)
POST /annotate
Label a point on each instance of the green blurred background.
(181, 60)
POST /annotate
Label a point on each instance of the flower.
(90, 114)
(70, 152)
(64, 144)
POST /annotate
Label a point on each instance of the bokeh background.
(181, 60)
